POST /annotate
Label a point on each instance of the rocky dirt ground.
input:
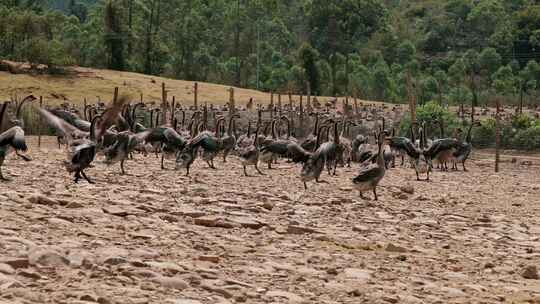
(218, 237)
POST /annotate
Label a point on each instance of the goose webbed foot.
(24, 157)
(86, 178)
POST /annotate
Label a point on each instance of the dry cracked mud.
(156, 236)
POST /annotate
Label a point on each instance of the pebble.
(171, 282)
(530, 272)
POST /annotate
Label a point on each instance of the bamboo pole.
(40, 120)
(497, 136)
(271, 105)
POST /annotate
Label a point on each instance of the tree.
(114, 36)
(308, 57)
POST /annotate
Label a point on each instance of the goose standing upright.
(11, 139)
(369, 177)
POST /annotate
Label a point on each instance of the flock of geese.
(115, 132)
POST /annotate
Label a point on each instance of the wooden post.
(195, 95)
(173, 110)
(232, 106)
(142, 98)
(412, 99)
(164, 116)
(279, 102)
(346, 108)
(271, 105)
(115, 96)
(497, 136)
(308, 104)
(290, 101)
(40, 120)
(355, 105)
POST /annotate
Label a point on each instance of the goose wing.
(173, 138)
(297, 153)
(368, 173)
(14, 137)
(441, 145)
(61, 126)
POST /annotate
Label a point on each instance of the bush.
(521, 122)
(483, 136)
(429, 113)
(528, 139)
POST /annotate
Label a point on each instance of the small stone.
(114, 260)
(221, 291)
(16, 263)
(393, 248)
(361, 228)
(171, 282)
(357, 274)
(268, 205)
(184, 301)
(29, 274)
(74, 205)
(530, 272)
(408, 188)
(42, 200)
(388, 299)
(209, 258)
(46, 257)
(6, 269)
(291, 297)
(294, 229)
(115, 211)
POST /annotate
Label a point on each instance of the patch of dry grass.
(91, 83)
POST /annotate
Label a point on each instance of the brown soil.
(464, 237)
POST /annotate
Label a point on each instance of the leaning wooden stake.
(497, 136)
(40, 121)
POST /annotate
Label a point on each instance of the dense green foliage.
(456, 51)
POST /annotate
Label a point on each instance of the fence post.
(497, 136)
(232, 105)
(355, 106)
(40, 120)
(195, 95)
(412, 100)
(308, 104)
(271, 105)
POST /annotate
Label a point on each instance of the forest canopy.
(455, 51)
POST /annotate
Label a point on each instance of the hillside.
(91, 83)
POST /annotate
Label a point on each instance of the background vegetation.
(456, 51)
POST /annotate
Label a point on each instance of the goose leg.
(122, 167)
(77, 176)
(245, 172)
(417, 176)
(86, 178)
(362, 195)
(305, 186)
(258, 170)
(162, 160)
(464, 169)
(187, 170)
(212, 162)
(375, 193)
